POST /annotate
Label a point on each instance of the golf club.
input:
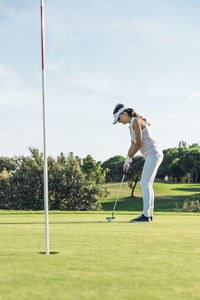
(112, 218)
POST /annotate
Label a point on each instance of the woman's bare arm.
(131, 147)
(138, 136)
(134, 146)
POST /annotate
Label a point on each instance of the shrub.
(189, 205)
(73, 184)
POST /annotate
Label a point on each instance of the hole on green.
(49, 252)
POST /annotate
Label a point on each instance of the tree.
(80, 193)
(169, 155)
(195, 158)
(5, 190)
(175, 169)
(27, 182)
(182, 144)
(195, 145)
(69, 187)
(115, 168)
(135, 172)
(8, 164)
(190, 163)
(93, 170)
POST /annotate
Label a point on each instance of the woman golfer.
(141, 139)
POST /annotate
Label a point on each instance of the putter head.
(110, 218)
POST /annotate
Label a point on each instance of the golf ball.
(109, 219)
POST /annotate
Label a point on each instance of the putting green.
(96, 259)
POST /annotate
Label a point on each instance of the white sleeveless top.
(149, 145)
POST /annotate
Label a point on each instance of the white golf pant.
(151, 165)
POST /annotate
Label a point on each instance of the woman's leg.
(160, 159)
(148, 175)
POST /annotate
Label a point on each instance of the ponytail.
(132, 113)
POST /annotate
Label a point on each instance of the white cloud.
(92, 82)
(195, 96)
(8, 78)
(13, 93)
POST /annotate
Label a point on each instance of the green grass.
(166, 196)
(96, 259)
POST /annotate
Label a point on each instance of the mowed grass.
(166, 196)
(96, 259)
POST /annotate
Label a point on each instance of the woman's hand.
(127, 163)
(126, 168)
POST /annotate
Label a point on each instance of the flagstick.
(44, 131)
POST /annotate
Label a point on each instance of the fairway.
(96, 259)
(167, 195)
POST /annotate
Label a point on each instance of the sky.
(142, 53)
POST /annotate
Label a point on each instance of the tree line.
(74, 183)
(181, 164)
(78, 184)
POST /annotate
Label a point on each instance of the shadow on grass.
(127, 204)
(192, 189)
(51, 212)
(53, 223)
(50, 253)
(22, 212)
(162, 204)
(22, 223)
(75, 222)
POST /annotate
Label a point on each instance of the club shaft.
(118, 195)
